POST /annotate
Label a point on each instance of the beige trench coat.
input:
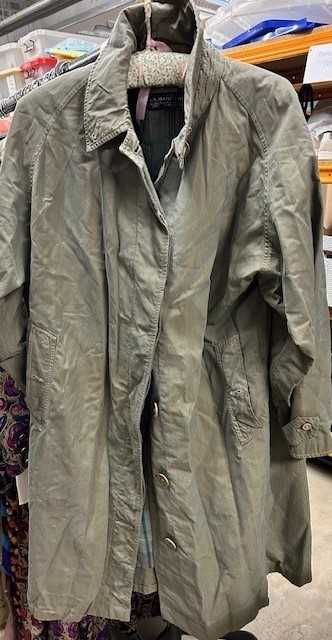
(210, 281)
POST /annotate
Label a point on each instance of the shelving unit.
(325, 170)
(292, 47)
(287, 56)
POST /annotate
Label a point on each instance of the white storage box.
(38, 42)
(11, 57)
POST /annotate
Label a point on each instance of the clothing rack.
(8, 105)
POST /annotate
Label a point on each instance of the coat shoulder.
(44, 104)
(266, 97)
(254, 82)
(56, 107)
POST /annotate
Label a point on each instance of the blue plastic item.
(271, 29)
(78, 45)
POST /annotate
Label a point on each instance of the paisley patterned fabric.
(14, 430)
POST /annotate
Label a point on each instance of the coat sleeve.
(293, 284)
(14, 247)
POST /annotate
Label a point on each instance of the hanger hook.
(148, 20)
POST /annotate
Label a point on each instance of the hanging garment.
(205, 286)
(16, 521)
(14, 423)
(4, 605)
(14, 430)
(26, 626)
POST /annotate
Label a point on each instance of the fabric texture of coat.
(205, 287)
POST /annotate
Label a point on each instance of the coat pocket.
(230, 359)
(41, 356)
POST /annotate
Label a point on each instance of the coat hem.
(296, 580)
(217, 629)
(50, 615)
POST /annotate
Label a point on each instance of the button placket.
(164, 482)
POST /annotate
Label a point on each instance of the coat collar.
(106, 111)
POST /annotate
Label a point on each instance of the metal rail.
(7, 105)
(36, 11)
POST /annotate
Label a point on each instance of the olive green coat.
(210, 281)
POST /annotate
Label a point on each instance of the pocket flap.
(41, 354)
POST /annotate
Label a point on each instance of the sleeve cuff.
(308, 437)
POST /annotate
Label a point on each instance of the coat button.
(155, 410)
(164, 481)
(306, 426)
(171, 544)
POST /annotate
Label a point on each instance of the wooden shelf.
(283, 48)
(287, 56)
(325, 171)
(322, 90)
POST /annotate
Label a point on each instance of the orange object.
(289, 46)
